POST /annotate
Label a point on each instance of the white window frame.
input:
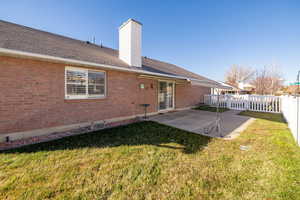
(86, 96)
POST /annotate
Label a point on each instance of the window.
(83, 83)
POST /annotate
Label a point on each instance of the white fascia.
(22, 54)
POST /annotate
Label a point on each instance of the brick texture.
(188, 95)
(32, 96)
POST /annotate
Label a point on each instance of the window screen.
(83, 83)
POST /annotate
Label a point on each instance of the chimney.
(130, 43)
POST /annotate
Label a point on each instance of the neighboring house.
(225, 89)
(48, 80)
(291, 89)
(246, 88)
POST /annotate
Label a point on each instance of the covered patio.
(203, 122)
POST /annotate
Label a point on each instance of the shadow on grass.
(275, 117)
(210, 108)
(142, 133)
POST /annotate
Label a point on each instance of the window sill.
(85, 98)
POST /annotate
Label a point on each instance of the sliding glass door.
(166, 95)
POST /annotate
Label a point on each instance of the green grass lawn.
(209, 108)
(151, 161)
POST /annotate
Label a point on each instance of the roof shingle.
(22, 38)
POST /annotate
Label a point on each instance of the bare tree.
(237, 74)
(268, 80)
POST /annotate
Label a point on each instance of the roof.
(26, 39)
(228, 86)
(245, 86)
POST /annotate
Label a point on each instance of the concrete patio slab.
(203, 122)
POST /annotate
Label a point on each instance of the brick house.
(53, 83)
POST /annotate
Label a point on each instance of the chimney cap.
(129, 20)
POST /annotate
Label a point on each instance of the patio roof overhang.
(182, 80)
(209, 84)
(176, 80)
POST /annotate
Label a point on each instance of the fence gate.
(257, 103)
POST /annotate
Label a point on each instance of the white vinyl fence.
(291, 111)
(246, 102)
(289, 106)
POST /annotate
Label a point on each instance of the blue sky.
(206, 37)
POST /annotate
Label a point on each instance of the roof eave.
(22, 54)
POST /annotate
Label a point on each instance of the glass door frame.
(173, 95)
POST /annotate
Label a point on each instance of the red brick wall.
(32, 96)
(188, 95)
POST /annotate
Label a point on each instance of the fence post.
(228, 100)
(247, 102)
(297, 131)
